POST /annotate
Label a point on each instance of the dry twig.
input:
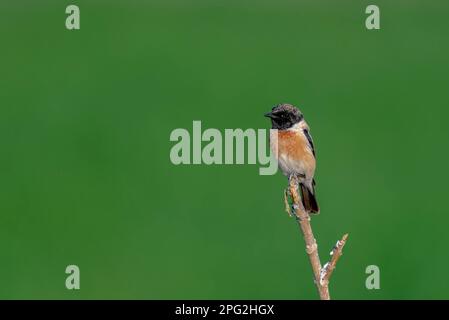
(329, 267)
(321, 275)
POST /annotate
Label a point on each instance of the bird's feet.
(292, 178)
(288, 202)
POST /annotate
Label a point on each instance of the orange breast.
(294, 145)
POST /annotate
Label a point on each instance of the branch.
(329, 267)
(321, 275)
(303, 219)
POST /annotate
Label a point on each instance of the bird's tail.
(309, 199)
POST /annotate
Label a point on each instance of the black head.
(284, 116)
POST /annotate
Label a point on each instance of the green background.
(85, 173)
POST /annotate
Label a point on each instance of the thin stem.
(321, 275)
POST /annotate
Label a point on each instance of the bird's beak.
(268, 115)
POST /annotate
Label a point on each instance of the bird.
(294, 150)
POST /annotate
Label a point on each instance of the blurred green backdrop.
(86, 179)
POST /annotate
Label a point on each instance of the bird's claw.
(288, 207)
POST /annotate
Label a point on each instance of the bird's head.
(284, 116)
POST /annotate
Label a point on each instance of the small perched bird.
(295, 150)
